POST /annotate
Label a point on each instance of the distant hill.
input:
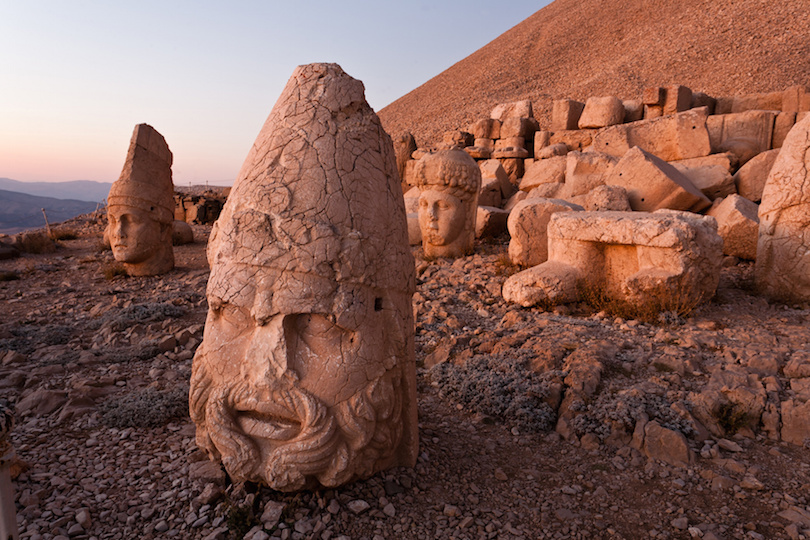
(78, 190)
(585, 48)
(20, 211)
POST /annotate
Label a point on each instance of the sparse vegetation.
(64, 234)
(147, 408)
(660, 307)
(114, 270)
(9, 275)
(35, 242)
(731, 417)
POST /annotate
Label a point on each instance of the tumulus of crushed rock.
(576, 49)
(98, 366)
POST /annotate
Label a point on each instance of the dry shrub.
(114, 270)
(9, 275)
(64, 234)
(504, 266)
(34, 242)
(659, 306)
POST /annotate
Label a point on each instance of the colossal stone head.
(449, 181)
(140, 206)
(306, 374)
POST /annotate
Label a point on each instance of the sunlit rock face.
(306, 375)
(783, 251)
(140, 206)
(449, 181)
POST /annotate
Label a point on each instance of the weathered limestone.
(515, 109)
(404, 147)
(518, 126)
(633, 110)
(492, 168)
(603, 199)
(481, 148)
(783, 251)
(677, 99)
(527, 226)
(457, 138)
(586, 170)
(674, 137)
(750, 178)
(782, 125)
(653, 184)
(744, 134)
(544, 171)
(552, 150)
(665, 258)
(575, 139)
(565, 114)
(486, 128)
(450, 181)
(490, 221)
(182, 233)
(737, 225)
(796, 99)
(714, 181)
(140, 206)
(699, 99)
(796, 421)
(306, 373)
(601, 112)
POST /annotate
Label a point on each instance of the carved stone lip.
(268, 421)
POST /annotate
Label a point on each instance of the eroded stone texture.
(306, 376)
(638, 257)
(140, 206)
(404, 146)
(737, 225)
(601, 112)
(527, 226)
(653, 184)
(450, 182)
(750, 178)
(744, 134)
(679, 136)
(783, 250)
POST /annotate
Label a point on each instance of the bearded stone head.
(305, 376)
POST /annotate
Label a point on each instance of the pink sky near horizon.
(78, 76)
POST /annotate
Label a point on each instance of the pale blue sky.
(76, 76)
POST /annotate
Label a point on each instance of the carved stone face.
(301, 375)
(442, 217)
(134, 235)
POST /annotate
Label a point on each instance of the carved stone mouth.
(268, 425)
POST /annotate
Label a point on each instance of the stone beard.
(271, 415)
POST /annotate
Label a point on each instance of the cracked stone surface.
(306, 374)
(140, 206)
(783, 248)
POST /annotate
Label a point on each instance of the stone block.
(726, 160)
(565, 114)
(633, 110)
(511, 110)
(750, 178)
(527, 225)
(677, 99)
(492, 168)
(699, 99)
(408, 178)
(544, 171)
(714, 181)
(457, 138)
(680, 136)
(547, 191)
(781, 127)
(518, 127)
(412, 200)
(514, 199)
(552, 150)
(414, 232)
(513, 147)
(796, 99)
(770, 101)
(652, 184)
(541, 140)
(586, 170)
(667, 445)
(744, 134)
(490, 194)
(182, 233)
(653, 95)
(486, 128)
(796, 421)
(782, 270)
(490, 222)
(404, 146)
(601, 112)
(481, 149)
(577, 139)
(604, 199)
(653, 111)
(737, 225)
(659, 259)
(513, 166)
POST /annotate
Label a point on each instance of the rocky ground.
(569, 423)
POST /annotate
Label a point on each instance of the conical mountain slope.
(582, 48)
